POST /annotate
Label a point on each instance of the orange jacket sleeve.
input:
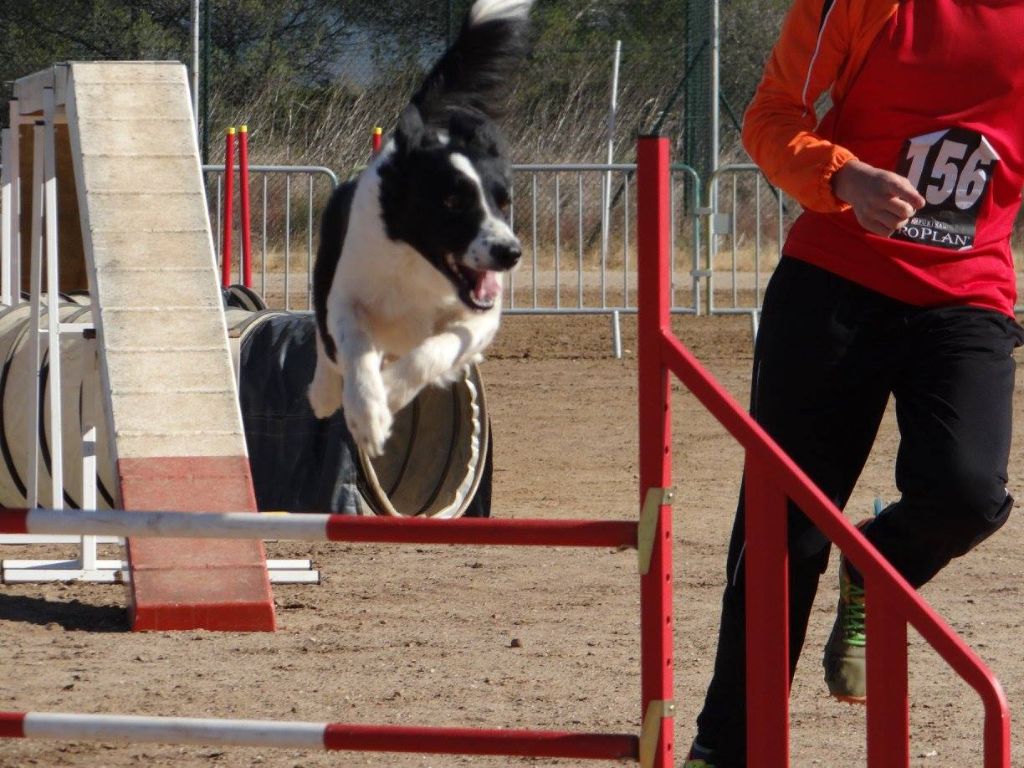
(821, 46)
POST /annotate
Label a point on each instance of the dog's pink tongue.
(487, 288)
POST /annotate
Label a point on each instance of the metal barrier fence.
(286, 237)
(577, 223)
(749, 219)
(575, 220)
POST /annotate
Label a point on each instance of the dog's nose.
(506, 255)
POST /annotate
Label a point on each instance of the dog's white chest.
(395, 333)
(399, 299)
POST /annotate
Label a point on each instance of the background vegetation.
(311, 77)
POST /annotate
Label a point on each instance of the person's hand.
(882, 201)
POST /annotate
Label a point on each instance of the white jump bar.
(165, 730)
(210, 525)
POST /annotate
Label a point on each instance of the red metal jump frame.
(771, 478)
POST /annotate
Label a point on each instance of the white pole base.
(116, 571)
(53, 538)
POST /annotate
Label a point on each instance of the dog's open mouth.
(478, 288)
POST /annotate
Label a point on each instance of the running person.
(897, 279)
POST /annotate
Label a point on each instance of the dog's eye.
(455, 202)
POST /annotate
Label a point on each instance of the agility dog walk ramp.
(168, 391)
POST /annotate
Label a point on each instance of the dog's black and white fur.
(407, 285)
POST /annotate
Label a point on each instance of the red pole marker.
(229, 202)
(378, 140)
(243, 183)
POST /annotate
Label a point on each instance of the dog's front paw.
(399, 391)
(325, 391)
(369, 421)
(324, 403)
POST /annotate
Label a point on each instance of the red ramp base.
(183, 584)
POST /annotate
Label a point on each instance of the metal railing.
(285, 235)
(577, 223)
(748, 219)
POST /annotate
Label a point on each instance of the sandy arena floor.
(517, 638)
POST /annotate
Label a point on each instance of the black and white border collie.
(407, 285)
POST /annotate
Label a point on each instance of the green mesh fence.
(696, 136)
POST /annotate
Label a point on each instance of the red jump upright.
(229, 206)
(772, 478)
(243, 199)
(655, 418)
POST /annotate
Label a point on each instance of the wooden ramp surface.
(165, 361)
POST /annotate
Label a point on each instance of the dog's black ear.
(410, 130)
(470, 129)
(464, 125)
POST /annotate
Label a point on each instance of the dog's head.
(446, 191)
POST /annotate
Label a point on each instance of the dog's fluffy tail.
(490, 10)
(477, 71)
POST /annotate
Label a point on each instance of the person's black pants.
(828, 355)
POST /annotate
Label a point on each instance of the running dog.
(407, 285)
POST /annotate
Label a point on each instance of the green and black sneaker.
(844, 661)
(698, 757)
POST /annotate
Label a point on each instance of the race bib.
(952, 169)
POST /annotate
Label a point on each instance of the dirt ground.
(519, 638)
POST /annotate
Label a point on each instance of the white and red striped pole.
(139, 729)
(163, 730)
(320, 527)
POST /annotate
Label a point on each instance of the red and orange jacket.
(822, 46)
